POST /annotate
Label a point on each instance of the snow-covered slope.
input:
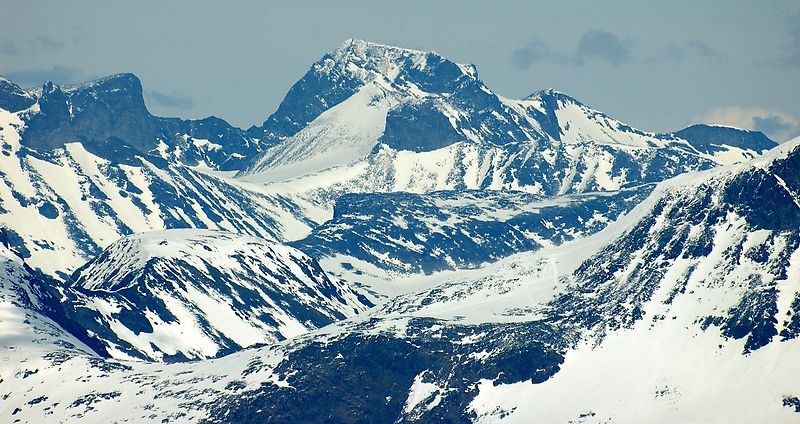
(29, 341)
(702, 276)
(23, 324)
(89, 164)
(191, 294)
(699, 296)
(654, 318)
(61, 207)
(382, 119)
(337, 137)
(536, 168)
(412, 233)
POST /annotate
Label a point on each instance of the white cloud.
(779, 126)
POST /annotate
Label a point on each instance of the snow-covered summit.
(109, 271)
(354, 64)
(391, 62)
(551, 93)
(361, 45)
(189, 294)
(365, 102)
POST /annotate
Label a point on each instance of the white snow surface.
(664, 368)
(97, 202)
(216, 285)
(341, 150)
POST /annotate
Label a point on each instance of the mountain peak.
(353, 64)
(366, 60)
(12, 97)
(359, 45)
(113, 83)
(92, 112)
(3, 79)
(706, 138)
(123, 89)
(389, 61)
(552, 94)
(49, 87)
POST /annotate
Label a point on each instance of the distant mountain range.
(137, 172)
(396, 243)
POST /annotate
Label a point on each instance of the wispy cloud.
(679, 52)
(536, 51)
(39, 44)
(777, 125)
(772, 124)
(45, 43)
(8, 47)
(605, 46)
(595, 45)
(57, 74)
(170, 100)
(792, 58)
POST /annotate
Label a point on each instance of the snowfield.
(396, 243)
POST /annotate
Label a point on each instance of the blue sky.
(655, 65)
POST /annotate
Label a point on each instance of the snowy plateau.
(395, 243)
